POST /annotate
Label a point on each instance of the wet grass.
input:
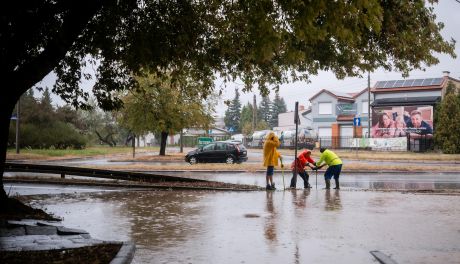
(47, 154)
(74, 153)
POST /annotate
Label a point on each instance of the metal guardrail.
(96, 173)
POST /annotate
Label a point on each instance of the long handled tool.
(316, 178)
(282, 172)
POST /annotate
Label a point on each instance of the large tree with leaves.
(264, 42)
(447, 122)
(233, 113)
(165, 105)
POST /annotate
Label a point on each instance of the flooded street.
(372, 181)
(316, 226)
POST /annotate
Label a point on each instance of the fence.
(336, 142)
(420, 143)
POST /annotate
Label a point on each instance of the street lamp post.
(368, 104)
(17, 125)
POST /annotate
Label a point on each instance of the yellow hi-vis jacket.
(330, 158)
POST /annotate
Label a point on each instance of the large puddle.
(299, 226)
(372, 181)
(368, 181)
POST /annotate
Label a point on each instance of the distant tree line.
(240, 119)
(44, 126)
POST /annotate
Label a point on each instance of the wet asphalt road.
(295, 226)
(359, 181)
(316, 226)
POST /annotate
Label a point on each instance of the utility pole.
(181, 140)
(17, 125)
(368, 104)
(296, 121)
(254, 113)
(134, 145)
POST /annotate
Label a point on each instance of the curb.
(126, 254)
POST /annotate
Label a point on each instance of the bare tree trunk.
(108, 139)
(164, 137)
(6, 109)
(16, 81)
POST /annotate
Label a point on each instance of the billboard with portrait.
(399, 121)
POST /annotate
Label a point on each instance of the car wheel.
(229, 160)
(193, 160)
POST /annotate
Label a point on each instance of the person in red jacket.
(304, 159)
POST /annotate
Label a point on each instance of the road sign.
(14, 117)
(357, 121)
(202, 141)
(231, 129)
(296, 114)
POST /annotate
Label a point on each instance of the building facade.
(334, 115)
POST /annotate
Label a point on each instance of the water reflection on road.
(374, 181)
(314, 226)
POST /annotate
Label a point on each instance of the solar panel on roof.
(417, 82)
(390, 84)
(437, 81)
(380, 84)
(408, 83)
(427, 82)
(399, 83)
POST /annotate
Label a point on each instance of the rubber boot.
(293, 181)
(328, 184)
(337, 186)
(305, 183)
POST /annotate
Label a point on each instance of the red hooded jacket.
(303, 158)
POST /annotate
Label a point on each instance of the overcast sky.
(447, 11)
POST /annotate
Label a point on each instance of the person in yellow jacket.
(334, 164)
(271, 156)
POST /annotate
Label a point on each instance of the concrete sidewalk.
(33, 235)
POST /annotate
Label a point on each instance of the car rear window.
(241, 146)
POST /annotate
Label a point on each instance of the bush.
(56, 135)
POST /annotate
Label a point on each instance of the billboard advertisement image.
(399, 121)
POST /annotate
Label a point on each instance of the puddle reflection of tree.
(163, 219)
(333, 202)
(300, 205)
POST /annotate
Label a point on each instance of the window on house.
(365, 107)
(325, 108)
(324, 132)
